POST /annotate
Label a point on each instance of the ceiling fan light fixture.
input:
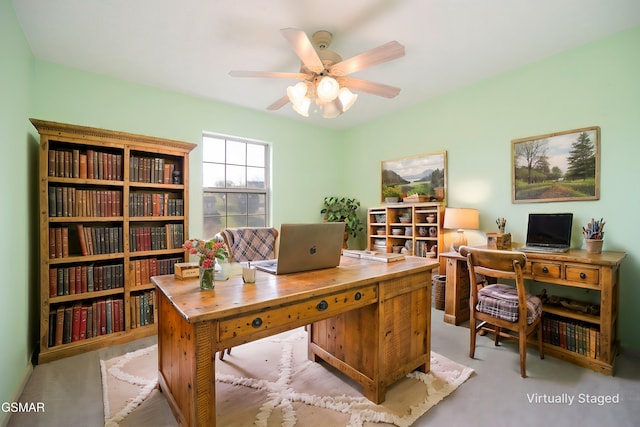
(347, 98)
(297, 92)
(301, 106)
(331, 110)
(327, 89)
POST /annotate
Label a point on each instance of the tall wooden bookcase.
(113, 212)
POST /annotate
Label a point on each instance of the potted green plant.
(343, 209)
(391, 194)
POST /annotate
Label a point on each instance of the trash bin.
(439, 285)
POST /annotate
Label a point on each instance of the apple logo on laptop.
(313, 250)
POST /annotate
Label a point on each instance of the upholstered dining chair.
(507, 309)
(249, 244)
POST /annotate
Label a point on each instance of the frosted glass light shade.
(327, 89)
(331, 110)
(302, 106)
(297, 92)
(347, 98)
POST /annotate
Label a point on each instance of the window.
(235, 181)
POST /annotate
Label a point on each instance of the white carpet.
(270, 382)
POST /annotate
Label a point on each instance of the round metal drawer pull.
(545, 270)
(322, 305)
(358, 296)
(257, 322)
(583, 276)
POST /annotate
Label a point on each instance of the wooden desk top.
(608, 258)
(232, 297)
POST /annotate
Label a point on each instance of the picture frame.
(417, 178)
(556, 167)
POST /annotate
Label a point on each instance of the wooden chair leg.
(472, 338)
(522, 338)
(496, 339)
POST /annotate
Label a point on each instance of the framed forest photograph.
(418, 178)
(561, 166)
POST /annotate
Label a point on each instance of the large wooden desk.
(575, 268)
(370, 320)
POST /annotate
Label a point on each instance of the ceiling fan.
(324, 75)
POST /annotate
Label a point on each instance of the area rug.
(271, 382)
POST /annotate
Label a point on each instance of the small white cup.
(248, 274)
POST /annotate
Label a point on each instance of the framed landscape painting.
(561, 166)
(418, 178)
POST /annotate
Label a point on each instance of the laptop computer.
(305, 247)
(548, 233)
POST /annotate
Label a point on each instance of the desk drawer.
(546, 270)
(307, 311)
(582, 274)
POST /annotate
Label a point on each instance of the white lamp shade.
(327, 89)
(331, 110)
(297, 92)
(347, 98)
(461, 218)
(301, 106)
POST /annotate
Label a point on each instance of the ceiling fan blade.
(378, 89)
(279, 103)
(302, 46)
(274, 74)
(378, 55)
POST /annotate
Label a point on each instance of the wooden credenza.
(575, 268)
(370, 320)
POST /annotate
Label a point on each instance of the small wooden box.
(491, 240)
(503, 241)
(186, 270)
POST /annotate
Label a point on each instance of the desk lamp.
(460, 219)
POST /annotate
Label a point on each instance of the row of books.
(154, 170)
(141, 308)
(76, 322)
(143, 269)
(80, 279)
(70, 201)
(154, 204)
(98, 240)
(85, 165)
(168, 236)
(578, 337)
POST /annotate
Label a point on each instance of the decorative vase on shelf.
(206, 279)
(594, 246)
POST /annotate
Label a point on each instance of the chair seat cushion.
(501, 301)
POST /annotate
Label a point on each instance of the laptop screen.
(551, 230)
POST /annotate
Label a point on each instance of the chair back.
(500, 265)
(250, 244)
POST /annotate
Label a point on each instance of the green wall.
(19, 234)
(71, 96)
(594, 85)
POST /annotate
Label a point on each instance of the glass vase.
(206, 279)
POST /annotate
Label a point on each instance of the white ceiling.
(189, 46)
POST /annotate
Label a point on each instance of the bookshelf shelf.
(95, 287)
